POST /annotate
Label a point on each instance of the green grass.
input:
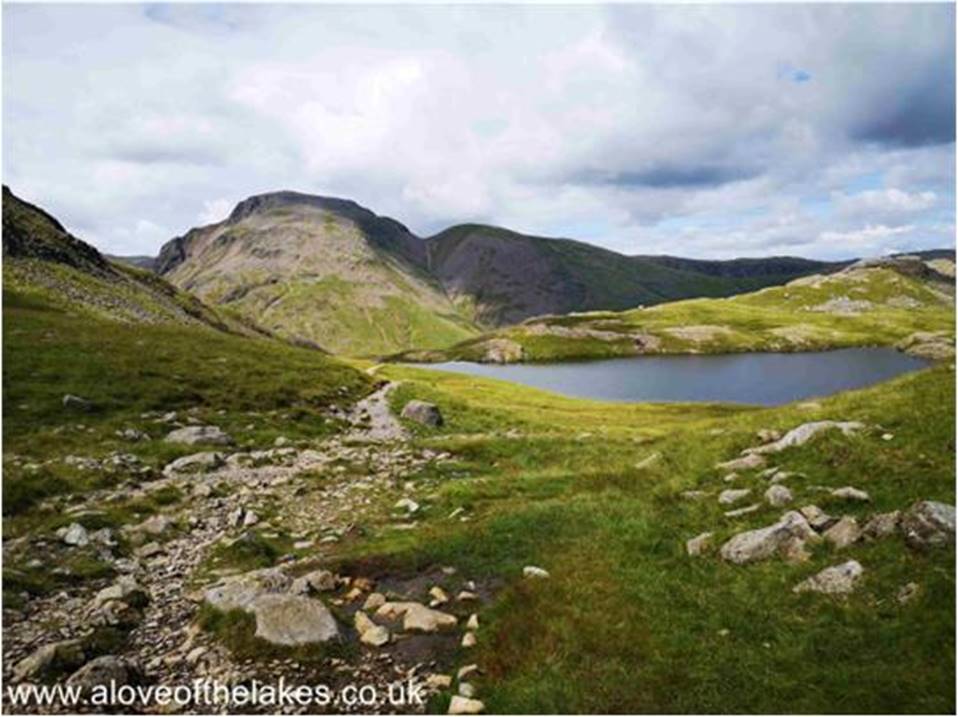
(784, 318)
(254, 388)
(629, 623)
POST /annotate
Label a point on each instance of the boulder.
(106, 670)
(733, 495)
(763, 543)
(126, 590)
(836, 580)
(459, 705)
(816, 517)
(849, 493)
(531, 571)
(195, 463)
(778, 495)
(77, 403)
(240, 592)
(75, 535)
(374, 601)
(803, 434)
(369, 632)
(881, 525)
(63, 655)
(419, 618)
(929, 524)
(192, 435)
(699, 544)
(318, 581)
(293, 620)
(843, 533)
(427, 414)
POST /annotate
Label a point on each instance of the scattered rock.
(765, 542)
(126, 590)
(438, 595)
(293, 620)
(64, 655)
(816, 517)
(369, 632)
(155, 525)
(531, 571)
(473, 622)
(465, 671)
(693, 494)
(881, 525)
(907, 593)
(466, 689)
(407, 504)
(733, 495)
(469, 639)
(75, 535)
(240, 592)
(748, 462)
(195, 463)
(929, 524)
(778, 495)
(77, 403)
(459, 705)
(804, 433)
(318, 581)
(106, 670)
(419, 618)
(438, 682)
(767, 435)
(191, 435)
(374, 601)
(742, 511)
(427, 414)
(699, 544)
(836, 580)
(843, 533)
(849, 493)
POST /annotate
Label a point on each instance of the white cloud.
(641, 128)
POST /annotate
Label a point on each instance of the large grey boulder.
(780, 538)
(803, 434)
(836, 580)
(929, 523)
(293, 620)
(427, 414)
(192, 435)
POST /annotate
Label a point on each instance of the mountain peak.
(287, 198)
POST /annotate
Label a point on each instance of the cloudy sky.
(815, 130)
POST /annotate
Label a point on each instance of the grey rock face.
(427, 414)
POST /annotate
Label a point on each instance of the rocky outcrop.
(803, 434)
(192, 435)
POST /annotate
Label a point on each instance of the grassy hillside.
(628, 622)
(505, 277)
(873, 305)
(319, 269)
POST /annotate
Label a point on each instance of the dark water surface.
(768, 379)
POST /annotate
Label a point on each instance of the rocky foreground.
(370, 629)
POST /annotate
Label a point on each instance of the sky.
(825, 131)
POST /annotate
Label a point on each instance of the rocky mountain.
(322, 269)
(336, 273)
(43, 262)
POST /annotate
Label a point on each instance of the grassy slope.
(254, 388)
(773, 319)
(628, 623)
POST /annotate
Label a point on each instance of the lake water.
(768, 379)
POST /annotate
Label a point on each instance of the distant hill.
(906, 301)
(44, 262)
(333, 272)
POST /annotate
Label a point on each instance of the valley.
(194, 490)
